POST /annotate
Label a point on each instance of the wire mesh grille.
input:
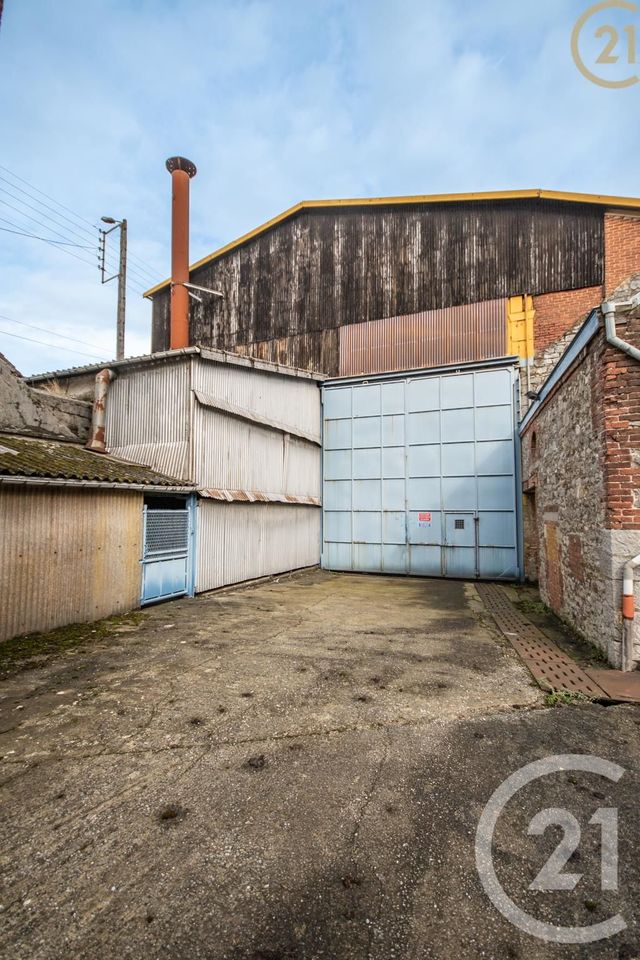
(166, 533)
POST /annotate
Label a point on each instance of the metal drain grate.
(550, 666)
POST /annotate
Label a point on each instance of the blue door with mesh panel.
(167, 559)
(420, 473)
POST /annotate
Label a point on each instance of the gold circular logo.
(611, 38)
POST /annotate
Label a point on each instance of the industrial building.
(246, 435)
(346, 384)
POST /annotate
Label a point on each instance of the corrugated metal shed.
(53, 538)
(246, 433)
(472, 332)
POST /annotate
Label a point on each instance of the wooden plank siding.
(288, 290)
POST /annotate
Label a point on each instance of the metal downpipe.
(96, 441)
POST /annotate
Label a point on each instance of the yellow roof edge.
(593, 198)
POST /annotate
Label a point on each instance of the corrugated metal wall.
(55, 537)
(231, 453)
(242, 541)
(287, 399)
(148, 416)
(476, 331)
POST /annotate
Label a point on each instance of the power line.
(133, 284)
(47, 330)
(28, 216)
(80, 221)
(143, 272)
(63, 243)
(53, 346)
(40, 213)
(45, 205)
(42, 194)
(50, 242)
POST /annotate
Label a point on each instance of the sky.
(275, 102)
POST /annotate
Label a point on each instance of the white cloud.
(277, 101)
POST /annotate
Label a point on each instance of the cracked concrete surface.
(289, 770)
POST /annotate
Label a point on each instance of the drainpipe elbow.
(608, 309)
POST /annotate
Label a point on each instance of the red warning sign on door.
(424, 519)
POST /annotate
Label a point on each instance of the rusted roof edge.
(256, 496)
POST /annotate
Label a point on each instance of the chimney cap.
(181, 163)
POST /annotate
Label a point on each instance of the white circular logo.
(551, 877)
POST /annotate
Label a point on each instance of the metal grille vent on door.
(167, 533)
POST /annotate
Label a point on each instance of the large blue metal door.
(419, 473)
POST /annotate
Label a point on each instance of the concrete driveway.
(296, 770)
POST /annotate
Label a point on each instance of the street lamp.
(121, 275)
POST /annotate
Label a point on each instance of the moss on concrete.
(34, 649)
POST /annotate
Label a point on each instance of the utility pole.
(121, 275)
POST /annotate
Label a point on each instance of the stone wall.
(33, 412)
(563, 476)
(581, 480)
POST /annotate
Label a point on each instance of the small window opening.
(459, 525)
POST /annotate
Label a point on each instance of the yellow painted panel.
(520, 319)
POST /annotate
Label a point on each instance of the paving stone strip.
(551, 667)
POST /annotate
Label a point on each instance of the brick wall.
(619, 397)
(558, 312)
(621, 249)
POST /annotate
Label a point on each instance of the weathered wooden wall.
(287, 291)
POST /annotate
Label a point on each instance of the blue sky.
(275, 101)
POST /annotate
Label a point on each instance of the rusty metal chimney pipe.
(96, 441)
(181, 171)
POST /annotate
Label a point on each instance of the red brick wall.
(558, 312)
(617, 402)
(621, 249)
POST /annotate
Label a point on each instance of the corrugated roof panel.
(55, 459)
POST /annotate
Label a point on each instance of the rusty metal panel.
(148, 413)
(432, 338)
(242, 541)
(67, 556)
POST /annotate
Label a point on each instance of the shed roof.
(213, 356)
(597, 199)
(31, 457)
